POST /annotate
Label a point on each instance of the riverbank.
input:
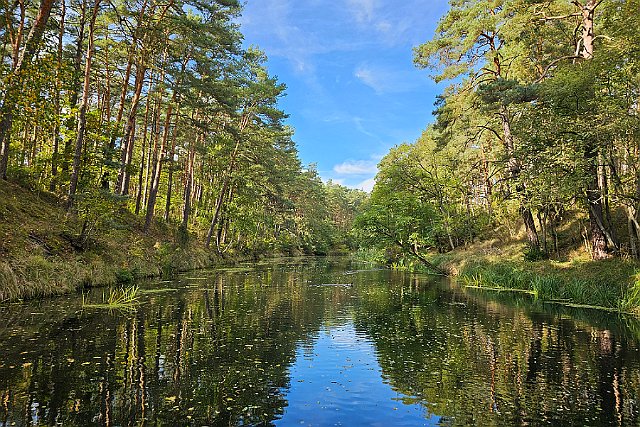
(612, 284)
(44, 251)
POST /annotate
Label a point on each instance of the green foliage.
(98, 212)
(535, 254)
(597, 287)
(181, 120)
(124, 276)
(419, 202)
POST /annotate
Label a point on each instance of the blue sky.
(352, 89)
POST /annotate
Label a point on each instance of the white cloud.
(359, 174)
(296, 31)
(367, 185)
(363, 10)
(356, 167)
(368, 77)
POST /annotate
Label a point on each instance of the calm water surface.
(265, 345)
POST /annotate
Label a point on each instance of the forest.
(156, 108)
(536, 131)
(155, 130)
(148, 171)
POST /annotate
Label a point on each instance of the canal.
(315, 342)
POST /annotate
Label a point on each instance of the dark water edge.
(264, 345)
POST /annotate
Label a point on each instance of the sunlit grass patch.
(605, 285)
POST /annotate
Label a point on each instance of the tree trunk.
(125, 82)
(56, 129)
(223, 192)
(188, 190)
(633, 234)
(597, 230)
(599, 249)
(74, 93)
(514, 171)
(588, 35)
(157, 168)
(171, 165)
(84, 103)
(128, 143)
(144, 149)
(12, 87)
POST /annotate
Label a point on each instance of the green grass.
(117, 299)
(38, 257)
(573, 278)
(607, 284)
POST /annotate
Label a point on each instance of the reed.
(122, 298)
(584, 289)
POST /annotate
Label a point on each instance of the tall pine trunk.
(144, 149)
(597, 228)
(514, 172)
(56, 128)
(84, 103)
(128, 142)
(158, 157)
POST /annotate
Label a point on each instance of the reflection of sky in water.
(338, 382)
(268, 347)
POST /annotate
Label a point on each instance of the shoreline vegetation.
(154, 143)
(138, 139)
(575, 281)
(43, 252)
(611, 285)
(40, 254)
(40, 257)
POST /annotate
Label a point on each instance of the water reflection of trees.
(217, 354)
(490, 363)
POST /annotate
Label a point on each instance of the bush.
(535, 254)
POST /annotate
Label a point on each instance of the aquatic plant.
(123, 298)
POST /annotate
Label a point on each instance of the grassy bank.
(44, 251)
(612, 284)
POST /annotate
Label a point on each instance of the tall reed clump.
(122, 298)
(9, 286)
(35, 276)
(592, 290)
(630, 301)
(505, 276)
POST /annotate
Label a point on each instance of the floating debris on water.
(339, 285)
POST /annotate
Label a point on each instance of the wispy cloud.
(386, 80)
(358, 174)
(296, 31)
(363, 10)
(356, 167)
(359, 123)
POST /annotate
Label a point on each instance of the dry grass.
(38, 256)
